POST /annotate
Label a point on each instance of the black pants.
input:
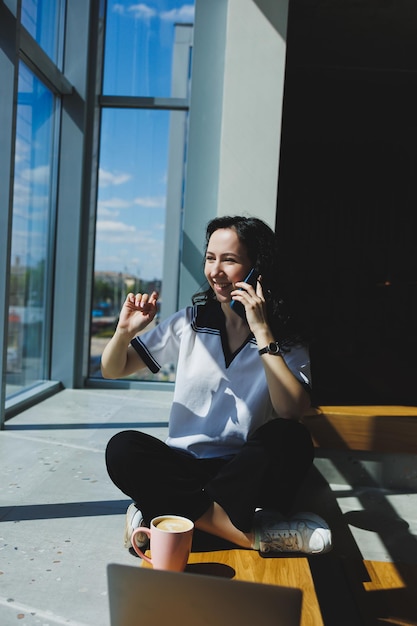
(266, 473)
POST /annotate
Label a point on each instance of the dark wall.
(347, 200)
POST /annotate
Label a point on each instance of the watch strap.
(271, 348)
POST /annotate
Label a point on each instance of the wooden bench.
(369, 428)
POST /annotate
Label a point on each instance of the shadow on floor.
(62, 510)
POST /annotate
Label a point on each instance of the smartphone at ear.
(251, 279)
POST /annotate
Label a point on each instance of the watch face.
(273, 347)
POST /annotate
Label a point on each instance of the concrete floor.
(62, 519)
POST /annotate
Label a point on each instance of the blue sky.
(32, 188)
(134, 144)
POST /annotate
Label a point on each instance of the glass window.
(30, 249)
(140, 39)
(44, 21)
(141, 169)
(131, 209)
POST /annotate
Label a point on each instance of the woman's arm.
(289, 398)
(119, 359)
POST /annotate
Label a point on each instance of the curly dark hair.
(262, 247)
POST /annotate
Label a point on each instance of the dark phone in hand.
(251, 279)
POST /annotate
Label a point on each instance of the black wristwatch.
(271, 348)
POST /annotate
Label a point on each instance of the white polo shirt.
(220, 398)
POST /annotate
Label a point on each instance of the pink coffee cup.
(170, 538)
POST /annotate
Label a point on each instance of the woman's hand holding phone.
(236, 305)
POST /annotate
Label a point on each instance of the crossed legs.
(219, 495)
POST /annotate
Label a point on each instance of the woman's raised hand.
(137, 312)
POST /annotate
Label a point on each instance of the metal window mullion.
(138, 102)
(8, 88)
(41, 65)
(51, 245)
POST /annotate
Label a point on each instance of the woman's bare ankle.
(216, 522)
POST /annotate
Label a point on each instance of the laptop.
(146, 597)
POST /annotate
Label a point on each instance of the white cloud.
(141, 11)
(118, 8)
(114, 227)
(39, 175)
(139, 251)
(26, 203)
(151, 202)
(29, 246)
(103, 212)
(106, 178)
(21, 193)
(112, 232)
(182, 14)
(114, 204)
(22, 150)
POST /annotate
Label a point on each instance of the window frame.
(17, 46)
(178, 107)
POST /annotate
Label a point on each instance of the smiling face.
(227, 262)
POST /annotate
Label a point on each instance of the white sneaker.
(304, 532)
(134, 519)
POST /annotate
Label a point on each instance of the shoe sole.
(141, 543)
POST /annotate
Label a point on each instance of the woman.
(236, 451)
